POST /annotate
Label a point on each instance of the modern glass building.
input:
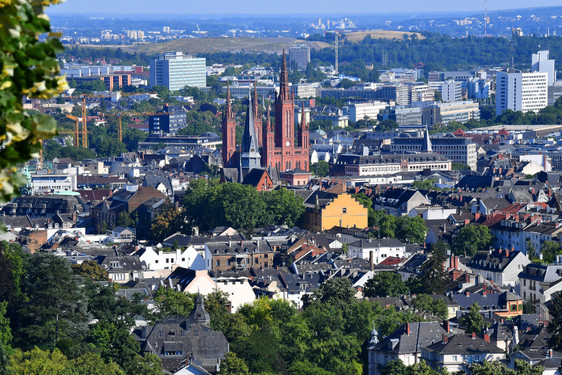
(176, 70)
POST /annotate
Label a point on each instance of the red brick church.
(279, 146)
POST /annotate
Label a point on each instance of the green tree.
(499, 368)
(434, 306)
(172, 303)
(149, 364)
(168, 222)
(114, 344)
(549, 251)
(410, 229)
(93, 364)
(473, 321)
(124, 220)
(470, 239)
(39, 362)
(90, 270)
(432, 278)
(233, 365)
(387, 125)
(320, 169)
(106, 306)
(29, 68)
(384, 224)
(54, 306)
(283, 207)
(385, 284)
(395, 367)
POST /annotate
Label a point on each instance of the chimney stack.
(447, 325)
(445, 338)
(408, 329)
(486, 337)
(473, 335)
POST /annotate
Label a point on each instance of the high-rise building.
(541, 63)
(521, 91)
(451, 91)
(300, 56)
(176, 70)
(279, 147)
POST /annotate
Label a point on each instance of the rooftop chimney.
(486, 337)
(473, 335)
(445, 338)
(408, 329)
(447, 325)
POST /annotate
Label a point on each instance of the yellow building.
(327, 210)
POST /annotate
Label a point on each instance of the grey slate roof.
(421, 335)
(464, 344)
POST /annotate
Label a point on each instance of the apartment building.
(521, 91)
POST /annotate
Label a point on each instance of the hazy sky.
(289, 6)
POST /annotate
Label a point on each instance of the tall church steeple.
(250, 156)
(228, 132)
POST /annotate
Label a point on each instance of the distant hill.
(210, 45)
(358, 36)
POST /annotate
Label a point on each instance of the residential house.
(157, 259)
(400, 202)
(376, 250)
(457, 352)
(537, 282)
(177, 341)
(325, 210)
(237, 255)
(122, 235)
(499, 266)
(121, 269)
(405, 344)
(124, 200)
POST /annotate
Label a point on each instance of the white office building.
(358, 111)
(541, 63)
(451, 91)
(176, 71)
(521, 91)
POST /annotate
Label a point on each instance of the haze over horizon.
(312, 7)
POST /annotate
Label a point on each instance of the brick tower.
(228, 133)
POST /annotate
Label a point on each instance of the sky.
(314, 7)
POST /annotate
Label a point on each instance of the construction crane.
(76, 129)
(120, 116)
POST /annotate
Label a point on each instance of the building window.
(344, 210)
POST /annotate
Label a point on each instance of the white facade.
(51, 183)
(451, 91)
(378, 250)
(239, 291)
(176, 71)
(359, 111)
(521, 91)
(541, 63)
(160, 260)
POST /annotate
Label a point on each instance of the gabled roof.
(421, 334)
(464, 345)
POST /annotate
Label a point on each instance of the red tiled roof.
(391, 261)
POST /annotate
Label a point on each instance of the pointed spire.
(256, 105)
(426, 146)
(303, 119)
(284, 80)
(228, 107)
(250, 157)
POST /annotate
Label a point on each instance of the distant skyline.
(312, 7)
